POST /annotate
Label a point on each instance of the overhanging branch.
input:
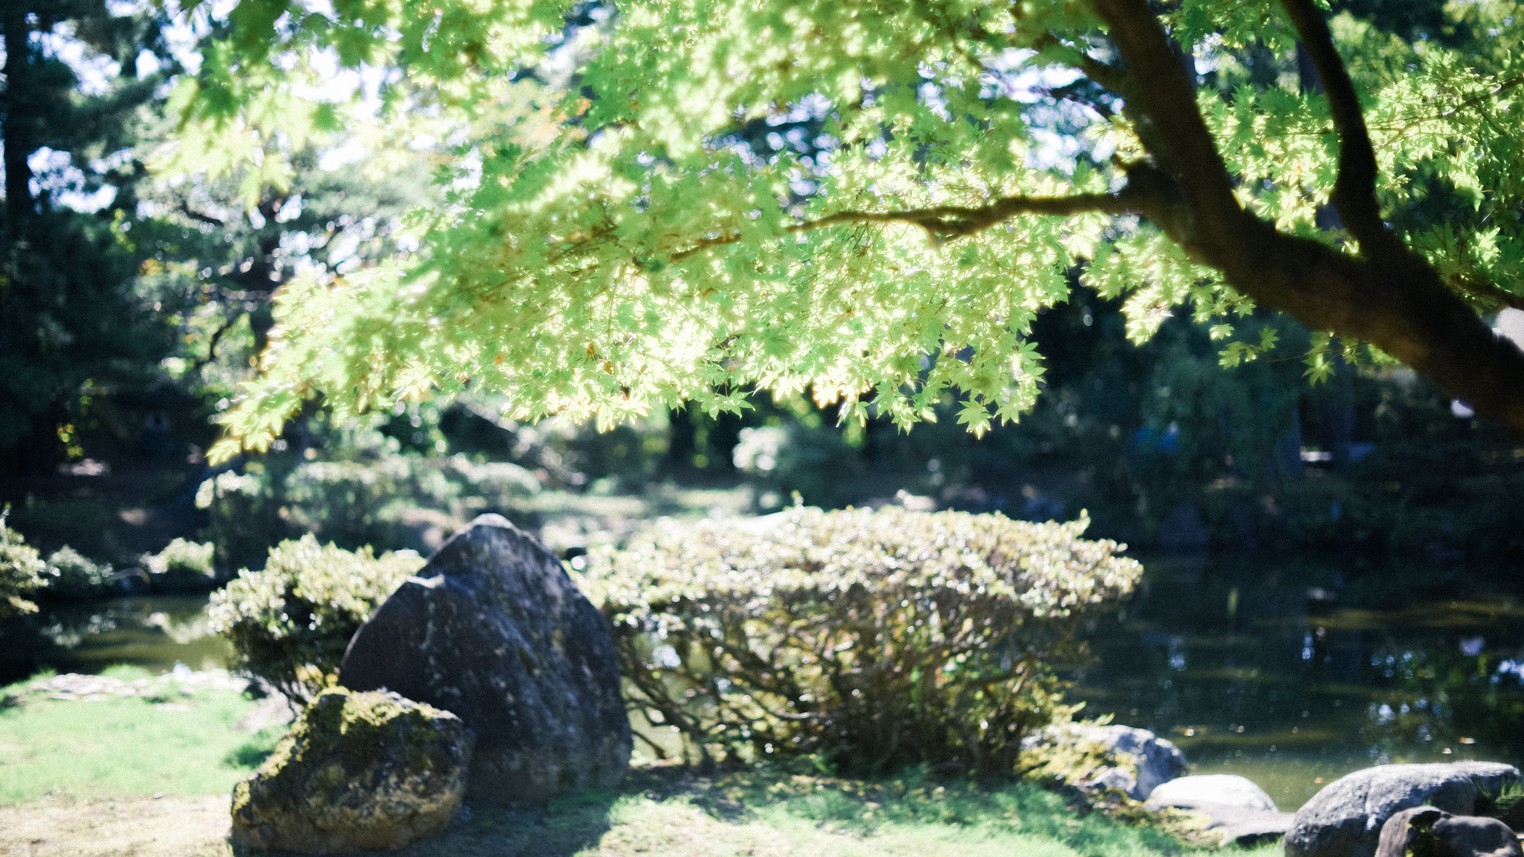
(1354, 191)
(1170, 124)
(955, 221)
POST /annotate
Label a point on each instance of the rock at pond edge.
(1346, 817)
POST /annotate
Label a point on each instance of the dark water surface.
(155, 632)
(1286, 671)
(1294, 673)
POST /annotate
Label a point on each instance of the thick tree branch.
(1103, 74)
(1387, 296)
(1354, 191)
(1400, 305)
(1162, 97)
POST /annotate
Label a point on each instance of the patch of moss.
(357, 770)
(1068, 755)
(350, 731)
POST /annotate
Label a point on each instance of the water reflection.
(1293, 675)
(154, 632)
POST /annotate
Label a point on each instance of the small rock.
(1346, 817)
(1155, 760)
(1212, 790)
(1125, 759)
(1429, 832)
(1235, 807)
(358, 771)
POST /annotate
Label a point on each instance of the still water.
(1288, 672)
(155, 632)
(1294, 673)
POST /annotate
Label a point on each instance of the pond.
(1286, 671)
(154, 632)
(1294, 673)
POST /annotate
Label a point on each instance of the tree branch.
(1170, 125)
(1354, 191)
(955, 221)
(199, 217)
(211, 345)
(1105, 75)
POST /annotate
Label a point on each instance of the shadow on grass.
(894, 812)
(561, 828)
(251, 754)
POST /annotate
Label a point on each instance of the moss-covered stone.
(1101, 758)
(358, 771)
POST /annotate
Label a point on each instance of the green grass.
(82, 777)
(172, 742)
(767, 813)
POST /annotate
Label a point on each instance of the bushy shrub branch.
(22, 570)
(289, 624)
(868, 639)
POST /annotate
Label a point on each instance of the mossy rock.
(357, 771)
(1102, 758)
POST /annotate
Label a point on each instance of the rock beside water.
(1345, 818)
(1111, 758)
(1432, 832)
(1237, 809)
(357, 772)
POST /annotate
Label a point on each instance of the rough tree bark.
(1384, 294)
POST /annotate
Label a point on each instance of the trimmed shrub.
(289, 624)
(72, 575)
(21, 570)
(385, 500)
(182, 566)
(491, 485)
(869, 640)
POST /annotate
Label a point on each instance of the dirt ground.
(198, 827)
(135, 827)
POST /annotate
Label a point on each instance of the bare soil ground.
(127, 827)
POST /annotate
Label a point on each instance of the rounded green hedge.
(868, 639)
(290, 623)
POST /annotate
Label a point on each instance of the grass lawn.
(172, 740)
(150, 775)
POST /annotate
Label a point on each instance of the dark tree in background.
(75, 74)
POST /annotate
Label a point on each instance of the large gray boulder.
(357, 772)
(1154, 760)
(1345, 818)
(1428, 832)
(493, 630)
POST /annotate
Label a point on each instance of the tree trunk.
(1386, 295)
(14, 119)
